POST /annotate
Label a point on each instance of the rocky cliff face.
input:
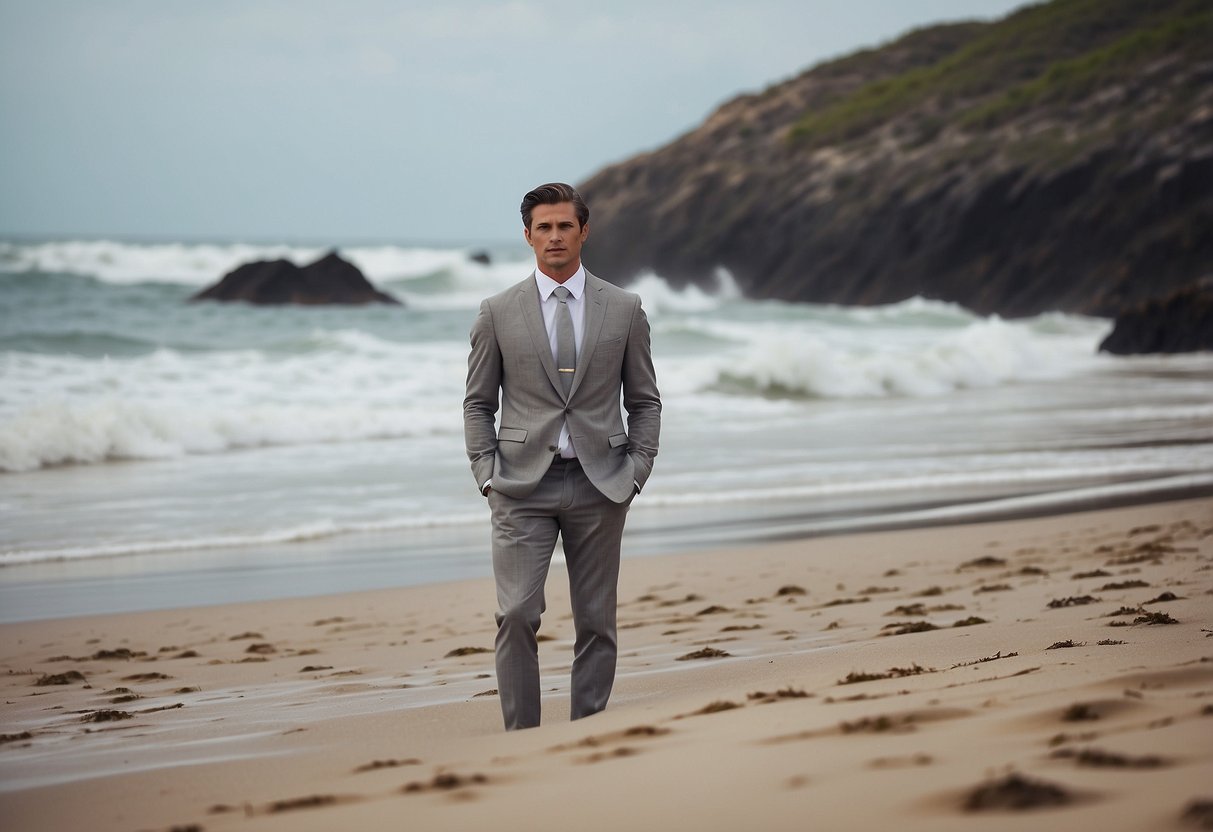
(1060, 158)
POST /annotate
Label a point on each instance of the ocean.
(157, 453)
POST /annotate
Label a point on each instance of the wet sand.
(1055, 672)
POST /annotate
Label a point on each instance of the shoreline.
(43, 591)
(362, 710)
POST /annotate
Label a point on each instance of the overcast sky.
(368, 119)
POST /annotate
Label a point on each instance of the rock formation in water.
(328, 280)
(1180, 322)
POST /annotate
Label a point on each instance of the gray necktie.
(566, 343)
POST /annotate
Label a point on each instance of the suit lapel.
(528, 301)
(595, 311)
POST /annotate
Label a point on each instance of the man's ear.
(526, 234)
(585, 231)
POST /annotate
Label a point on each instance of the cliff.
(1059, 158)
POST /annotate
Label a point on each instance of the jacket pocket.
(617, 440)
(511, 435)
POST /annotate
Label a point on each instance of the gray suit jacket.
(511, 362)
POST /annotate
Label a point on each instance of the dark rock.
(328, 280)
(481, 257)
(1060, 158)
(1180, 322)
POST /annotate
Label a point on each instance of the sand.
(1051, 673)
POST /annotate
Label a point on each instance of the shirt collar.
(575, 284)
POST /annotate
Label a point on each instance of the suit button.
(568, 410)
(553, 448)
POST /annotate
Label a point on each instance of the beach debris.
(878, 724)
(929, 592)
(249, 634)
(704, 653)
(715, 609)
(1108, 642)
(901, 628)
(839, 602)
(1079, 712)
(375, 765)
(762, 697)
(908, 609)
(1164, 597)
(1136, 530)
(646, 731)
(312, 801)
(614, 753)
(971, 621)
(734, 628)
(106, 716)
(892, 673)
(146, 677)
(1016, 793)
(7, 738)
(1199, 813)
(314, 668)
(124, 698)
(790, 589)
(1032, 570)
(1155, 618)
(690, 597)
(489, 692)
(984, 562)
(172, 707)
(1115, 585)
(467, 651)
(445, 782)
(122, 653)
(1095, 573)
(876, 590)
(1098, 758)
(1072, 601)
(1058, 645)
(716, 707)
(261, 649)
(994, 658)
(1147, 617)
(60, 678)
(1146, 553)
(993, 588)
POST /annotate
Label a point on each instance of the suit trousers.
(524, 536)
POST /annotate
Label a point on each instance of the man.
(556, 350)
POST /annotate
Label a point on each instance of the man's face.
(556, 237)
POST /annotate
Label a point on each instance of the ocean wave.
(198, 264)
(106, 429)
(814, 362)
(1129, 469)
(660, 297)
(305, 532)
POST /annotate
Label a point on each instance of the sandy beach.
(1055, 672)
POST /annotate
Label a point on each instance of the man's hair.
(554, 193)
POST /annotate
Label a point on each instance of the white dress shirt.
(549, 304)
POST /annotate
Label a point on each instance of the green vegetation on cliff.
(1050, 54)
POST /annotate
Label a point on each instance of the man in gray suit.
(555, 351)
